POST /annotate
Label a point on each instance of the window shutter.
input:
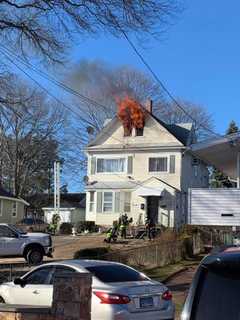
(117, 202)
(172, 164)
(93, 165)
(127, 201)
(99, 202)
(130, 165)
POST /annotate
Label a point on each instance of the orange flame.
(131, 113)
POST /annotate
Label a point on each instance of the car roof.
(230, 254)
(82, 263)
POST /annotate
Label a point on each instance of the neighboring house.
(12, 209)
(72, 208)
(217, 206)
(146, 174)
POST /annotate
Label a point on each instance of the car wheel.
(34, 256)
(2, 300)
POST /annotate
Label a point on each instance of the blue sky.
(198, 58)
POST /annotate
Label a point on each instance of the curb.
(174, 274)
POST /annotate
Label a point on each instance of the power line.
(93, 102)
(155, 76)
(55, 81)
(52, 95)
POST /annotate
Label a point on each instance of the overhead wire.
(96, 103)
(52, 79)
(51, 94)
(93, 102)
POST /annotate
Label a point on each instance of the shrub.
(66, 228)
(81, 226)
(91, 253)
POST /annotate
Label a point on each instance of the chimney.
(148, 105)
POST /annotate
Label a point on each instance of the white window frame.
(112, 202)
(91, 203)
(159, 172)
(113, 157)
(123, 200)
(16, 207)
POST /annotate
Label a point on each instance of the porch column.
(238, 169)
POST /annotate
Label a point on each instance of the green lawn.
(162, 273)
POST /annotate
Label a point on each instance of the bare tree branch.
(49, 26)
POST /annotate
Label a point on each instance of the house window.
(107, 201)
(111, 165)
(91, 201)
(14, 209)
(158, 164)
(139, 132)
(127, 201)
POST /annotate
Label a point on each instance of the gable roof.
(67, 200)
(181, 131)
(4, 194)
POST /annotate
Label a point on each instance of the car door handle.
(35, 292)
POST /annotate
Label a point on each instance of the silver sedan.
(118, 291)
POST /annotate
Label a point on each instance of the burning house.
(141, 166)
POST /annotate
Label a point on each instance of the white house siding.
(138, 206)
(140, 165)
(155, 142)
(153, 133)
(210, 207)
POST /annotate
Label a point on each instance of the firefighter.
(150, 229)
(123, 226)
(111, 235)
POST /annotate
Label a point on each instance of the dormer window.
(139, 132)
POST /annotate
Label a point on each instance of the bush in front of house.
(92, 253)
(65, 228)
(81, 226)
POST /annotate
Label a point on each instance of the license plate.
(146, 302)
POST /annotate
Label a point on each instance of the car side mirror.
(20, 282)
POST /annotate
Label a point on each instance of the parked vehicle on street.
(118, 291)
(33, 225)
(215, 289)
(32, 246)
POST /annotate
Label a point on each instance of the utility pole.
(56, 187)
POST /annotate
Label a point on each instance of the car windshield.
(217, 295)
(18, 230)
(116, 273)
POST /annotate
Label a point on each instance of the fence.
(157, 254)
(9, 271)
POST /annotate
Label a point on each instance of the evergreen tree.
(233, 128)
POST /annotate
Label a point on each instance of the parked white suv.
(32, 246)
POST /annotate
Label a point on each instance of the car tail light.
(167, 295)
(111, 298)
